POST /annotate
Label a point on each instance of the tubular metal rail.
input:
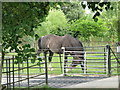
(13, 75)
(97, 61)
(103, 60)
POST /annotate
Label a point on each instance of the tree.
(72, 10)
(18, 20)
(97, 7)
(55, 23)
(111, 19)
(86, 27)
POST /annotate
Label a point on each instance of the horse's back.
(69, 41)
(54, 42)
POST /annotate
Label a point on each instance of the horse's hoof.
(68, 70)
(50, 69)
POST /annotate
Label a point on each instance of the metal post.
(118, 52)
(19, 73)
(64, 64)
(13, 72)
(46, 70)
(85, 64)
(104, 59)
(9, 74)
(7, 71)
(118, 64)
(108, 60)
(28, 72)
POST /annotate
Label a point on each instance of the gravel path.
(57, 81)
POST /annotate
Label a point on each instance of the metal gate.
(22, 75)
(100, 60)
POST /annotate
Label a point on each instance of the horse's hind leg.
(50, 59)
(82, 66)
(60, 62)
(65, 62)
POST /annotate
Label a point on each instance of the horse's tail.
(82, 49)
(39, 43)
(39, 46)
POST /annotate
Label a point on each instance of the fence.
(13, 75)
(98, 61)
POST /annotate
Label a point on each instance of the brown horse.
(53, 44)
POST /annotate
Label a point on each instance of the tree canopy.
(54, 22)
(19, 19)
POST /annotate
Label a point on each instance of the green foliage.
(111, 19)
(23, 23)
(86, 28)
(55, 23)
(19, 19)
(97, 7)
(73, 10)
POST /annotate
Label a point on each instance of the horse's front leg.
(82, 66)
(50, 59)
(65, 65)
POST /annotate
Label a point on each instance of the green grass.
(57, 70)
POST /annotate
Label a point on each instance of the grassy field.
(95, 65)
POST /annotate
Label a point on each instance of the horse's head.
(78, 58)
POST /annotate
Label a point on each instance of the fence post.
(46, 70)
(85, 64)
(64, 64)
(105, 59)
(9, 72)
(28, 72)
(118, 65)
(108, 60)
(13, 61)
(118, 52)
